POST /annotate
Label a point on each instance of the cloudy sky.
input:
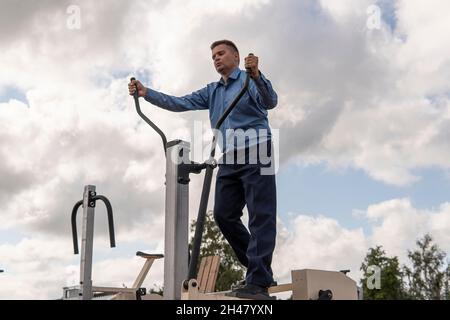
(363, 120)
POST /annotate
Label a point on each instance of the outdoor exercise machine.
(86, 290)
(180, 266)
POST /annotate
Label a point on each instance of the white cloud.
(400, 225)
(38, 268)
(344, 75)
(34, 269)
(345, 9)
(349, 96)
(319, 242)
(365, 98)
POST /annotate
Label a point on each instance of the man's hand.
(141, 89)
(251, 63)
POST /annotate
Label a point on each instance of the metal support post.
(176, 220)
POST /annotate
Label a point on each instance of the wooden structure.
(306, 285)
(207, 277)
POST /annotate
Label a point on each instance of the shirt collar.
(233, 75)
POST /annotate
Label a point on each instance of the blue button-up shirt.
(249, 115)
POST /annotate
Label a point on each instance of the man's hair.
(225, 42)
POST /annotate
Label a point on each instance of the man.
(240, 179)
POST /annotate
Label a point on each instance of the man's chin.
(220, 69)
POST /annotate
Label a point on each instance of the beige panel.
(306, 284)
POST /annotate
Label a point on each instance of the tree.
(447, 283)
(382, 276)
(213, 243)
(157, 290)
(427, 278)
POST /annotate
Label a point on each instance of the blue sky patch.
(104, 77)
(314, 190)
(388, 13)
(8, 93)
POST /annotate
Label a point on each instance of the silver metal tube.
(87, 243)
(176, 221)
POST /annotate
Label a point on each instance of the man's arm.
(264, 93)
(198, 100)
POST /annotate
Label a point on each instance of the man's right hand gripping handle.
(141, 90)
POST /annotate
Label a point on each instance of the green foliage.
(447, 283)
(390, 283)
(157, 290)
(213, 243)
(427, 278)
(428, 275)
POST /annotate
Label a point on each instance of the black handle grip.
(248, 70)
(135, 95)
(109, 212)
(74, 225)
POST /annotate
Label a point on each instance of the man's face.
(225, 58)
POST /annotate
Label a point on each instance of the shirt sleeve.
(197, 100)
(265, 94)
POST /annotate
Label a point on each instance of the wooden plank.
(281, 288)
(201, 272)
(206, 273)
(143, 273)
(193, 293)
(212, 277)
(113, 290)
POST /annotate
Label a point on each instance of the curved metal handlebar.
(112, 239)
(74, 225)
(143, 116)
(109, 212)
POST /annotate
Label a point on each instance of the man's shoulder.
(212, 85)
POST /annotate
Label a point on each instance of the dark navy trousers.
(238, 185)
